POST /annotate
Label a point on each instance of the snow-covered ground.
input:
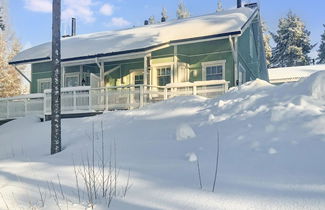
(272, 143)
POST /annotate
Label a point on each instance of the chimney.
(146, 22)
(73, 27)
(238, 3)
(163, 19)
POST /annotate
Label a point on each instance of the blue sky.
(31, 19)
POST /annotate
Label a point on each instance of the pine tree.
(182, 11)
(267, 46)
(164, 13)
(292, 43)
(2, 24)
(219, 6)
(321, 50)
(152, 20)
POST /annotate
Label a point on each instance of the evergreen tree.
(152, 20)
(321, 50)
(219, 6)
(2, 24)
(182, 11)
(164, 13)
(292, 43)
(267, 46)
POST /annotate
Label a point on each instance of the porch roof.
(144, 38)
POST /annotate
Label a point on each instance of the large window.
(214, 70)
(164, 75)
(43, 84)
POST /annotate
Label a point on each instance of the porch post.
(175, 68)
(63, 76)
(101, 68)
(145, 70)
(81, 69)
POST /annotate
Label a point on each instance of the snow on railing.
(85, 99)
(21, 106)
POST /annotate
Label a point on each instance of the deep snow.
(272, 142)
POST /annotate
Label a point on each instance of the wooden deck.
(83, 101)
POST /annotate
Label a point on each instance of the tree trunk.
(56, 79)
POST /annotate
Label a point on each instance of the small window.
(138, 79)
(164, 75)
(43, 84)
(214, 72)
(71, 80)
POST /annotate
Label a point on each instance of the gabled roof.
(287, 74)
(138, 39)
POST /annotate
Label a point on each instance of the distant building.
(279, 76)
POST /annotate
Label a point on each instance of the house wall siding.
(39, 71)
(122, 75)
(196, 53)
(191, 54)
(252, 58)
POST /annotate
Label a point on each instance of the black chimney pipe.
(73, 27)
(238, 3)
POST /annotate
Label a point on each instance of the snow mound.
(251, 86)
(270, 148)
(184, 132)
(315, 85)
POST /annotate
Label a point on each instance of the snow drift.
(272, 143)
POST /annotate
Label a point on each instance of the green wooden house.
(129, 68)
(226, 45)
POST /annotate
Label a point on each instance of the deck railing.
(87, 99)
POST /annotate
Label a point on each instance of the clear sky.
(31, 19)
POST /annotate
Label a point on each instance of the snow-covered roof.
(291, 74)
(142, 38)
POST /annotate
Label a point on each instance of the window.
(43, 84)
(71, 80)
(138, 79)
(164, 75)
(214, 73)
(214, 70)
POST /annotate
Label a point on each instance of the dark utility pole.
(56, 79)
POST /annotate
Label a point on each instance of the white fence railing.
(21, 106)
(87, 99)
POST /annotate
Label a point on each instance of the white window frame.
(162, 65)
(213, 63)
(134, 73)
(45, 80)
(72, 74)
